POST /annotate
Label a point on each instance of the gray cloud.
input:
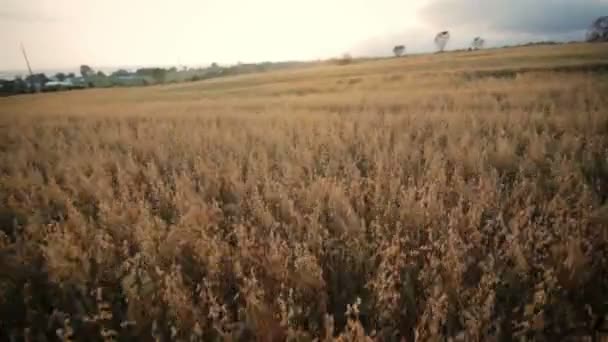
(536, 17)
(25, 17)
(500, 22)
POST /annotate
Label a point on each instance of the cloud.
(500, 22)
(25, 17)
(537, 17)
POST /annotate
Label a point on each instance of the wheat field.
(449, 197)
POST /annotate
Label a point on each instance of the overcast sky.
(67, 33)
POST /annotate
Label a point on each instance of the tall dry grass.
(354, 203)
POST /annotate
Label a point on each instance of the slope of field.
(452, 196)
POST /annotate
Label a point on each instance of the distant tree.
(71, 75)
(18, 86)
(86, 71)
(6, 86)
(441, 40)
(399, 50)
(121, 72)
(158, 74)
(598, 32)
(478, 43)
(35, 82)
(60, 76)
(41, 77)
(345, 59)
(100, 74)
(143, 71)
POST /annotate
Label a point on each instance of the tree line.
(91, 78)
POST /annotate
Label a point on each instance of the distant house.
(54, 84)
(78, 82)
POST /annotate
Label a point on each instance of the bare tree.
(598, 32)
(441, 40)
(478, 43)
(399, 50)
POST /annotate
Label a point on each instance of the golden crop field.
(448, 197)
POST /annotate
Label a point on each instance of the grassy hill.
(458, 195)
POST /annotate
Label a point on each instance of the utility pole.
(33, 84)
(27, 61)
